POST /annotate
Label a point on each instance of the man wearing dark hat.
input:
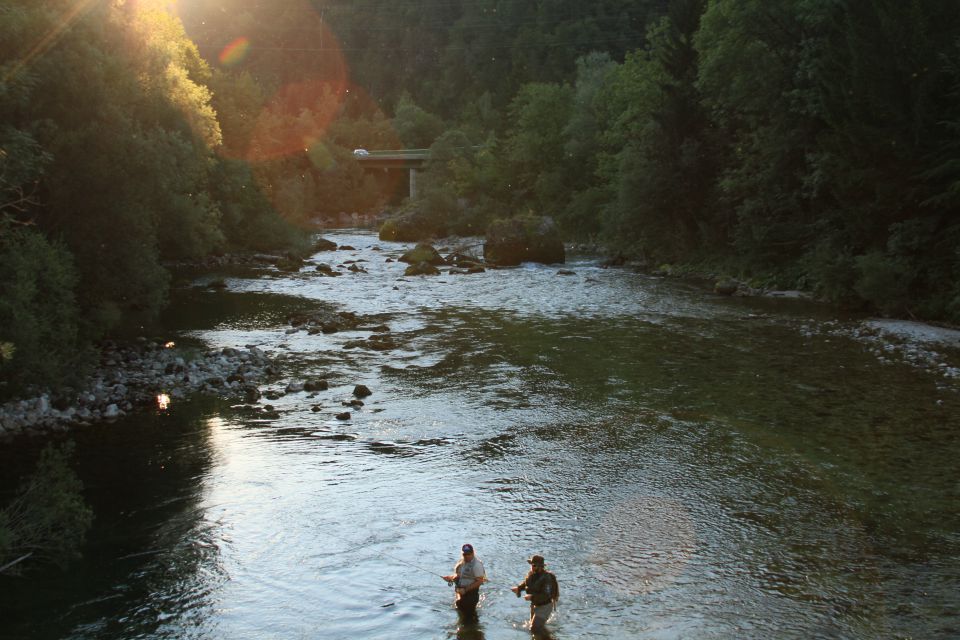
(468, 575)
(542, 592)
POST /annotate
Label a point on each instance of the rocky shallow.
(133, 377)
(924, 346)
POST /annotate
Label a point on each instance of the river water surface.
(690, 466)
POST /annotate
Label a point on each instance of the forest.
(809, 144)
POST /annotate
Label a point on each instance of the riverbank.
(935, 347)
(138, 376)
(135, 376)
(924, 346)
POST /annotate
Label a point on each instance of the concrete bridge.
(410, 160)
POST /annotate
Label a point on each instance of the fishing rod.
(410, 564)
(433, 573)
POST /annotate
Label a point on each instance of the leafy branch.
(48, 518)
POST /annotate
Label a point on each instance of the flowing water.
(691, 467)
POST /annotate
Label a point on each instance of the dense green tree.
(536, 164)
(107, 154)
(750, 53)
(238, 99)
(882, 84)
(835, 114)
(38, 312)
(416, 128)
(585, 148)
(505, 44)
(392, 48)
(664, 176)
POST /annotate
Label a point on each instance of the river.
(691, 466)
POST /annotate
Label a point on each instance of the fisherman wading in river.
(543, 591)
(467, 576)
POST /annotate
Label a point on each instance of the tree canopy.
(802, 144)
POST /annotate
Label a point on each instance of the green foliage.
(416, 128)
(585, 147)
(48, 517)
(238, 99)
(536, 163)
(22, 163)
(884, 281)
(107, 156)
(458, 184)
(666, 177)
(830, 269)
(749, 56)
(507, 44)
(248, 219)
(38, 314)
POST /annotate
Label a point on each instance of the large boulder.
(412, 226)
(523, 239)
(726, 286)
(322, 244)
(423, 252)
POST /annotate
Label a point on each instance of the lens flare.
(235, 52)
(320, 155)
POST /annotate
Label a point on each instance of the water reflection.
(152, 553)
(467, 630)
(695, 470)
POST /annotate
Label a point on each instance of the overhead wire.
(493, 23)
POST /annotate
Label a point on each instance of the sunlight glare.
(50, 38)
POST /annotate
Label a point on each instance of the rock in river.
(523, 239)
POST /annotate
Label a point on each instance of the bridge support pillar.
(413, 183)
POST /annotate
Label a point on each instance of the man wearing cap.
(468, 575)
(542, 593)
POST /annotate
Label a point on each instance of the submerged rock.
(362, 391)
(325, 321)
(316, 385)
(290, 263)
(421, 269)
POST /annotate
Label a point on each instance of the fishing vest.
(542, 587)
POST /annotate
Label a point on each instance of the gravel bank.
(131, 377)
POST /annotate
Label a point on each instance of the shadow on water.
(197, 308)
(150, 542)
